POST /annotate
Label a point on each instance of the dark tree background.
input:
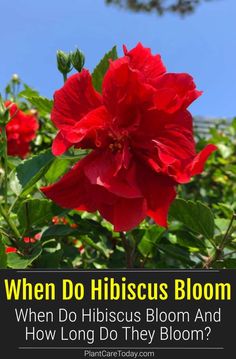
(160, 6)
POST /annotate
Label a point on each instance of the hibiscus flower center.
(117, 140)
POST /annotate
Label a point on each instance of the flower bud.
(4, 113)
(77, 59)
(2, 107)
(63, 62)
(15, 79)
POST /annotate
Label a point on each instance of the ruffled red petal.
(92, 128)
(125, 95)
(197, 165)
(125, 214)
(141, 59)
(175, 92)
(108, 170)
(159, 192)
(74, 100)
(74, 190)
(60, 144)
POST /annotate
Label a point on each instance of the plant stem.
(64, 77)
(145, 260)
(224, 240)
(12, 240)
(13, 204)
(129, 250)
(10, 223)
(5, 184)
(212, 243)
(220, 248)
(4, 209)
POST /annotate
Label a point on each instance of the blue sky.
(203, 44)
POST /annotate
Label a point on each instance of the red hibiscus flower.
(21, 130)
(140, 134)
(10, 250)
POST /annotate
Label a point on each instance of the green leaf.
(31, 170)
(50, 260)
(74, 155)
(28, 92)
(225, 209)
(61, 230)
(58, 230)
(148, 244)
(194, 215)
(177, 252)
(3, 256)
(97, 246)
(13, 162)
(18, 261)
(91, 227)
(102, 67)
(224, 150)
(57, 169)
(146, 247)
(34, 212)
(227, 263)
(117, 259)
(222, 224)
(14, 183)
(42, 104)
(189, 240)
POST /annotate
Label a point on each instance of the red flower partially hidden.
(141, 137)
(10, 250)
(34, 239)
(21, 130)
